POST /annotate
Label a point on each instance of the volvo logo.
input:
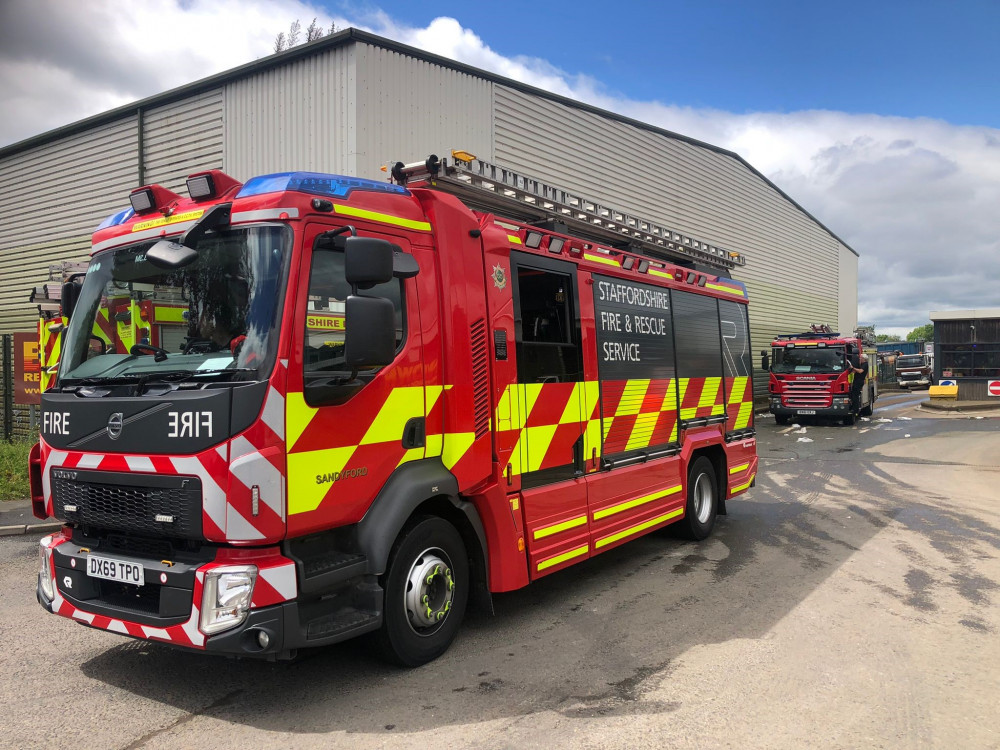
(115, 425)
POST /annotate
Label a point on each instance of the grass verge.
(14, 469)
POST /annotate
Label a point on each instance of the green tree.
(883, 338)
(921, 333)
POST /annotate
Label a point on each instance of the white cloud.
(916, 197)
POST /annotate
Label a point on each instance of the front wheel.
(426, 592)
(702, 500)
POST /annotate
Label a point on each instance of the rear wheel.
(867, 411)
(702, 500)
(426, 592)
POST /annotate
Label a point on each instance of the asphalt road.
(849, 600)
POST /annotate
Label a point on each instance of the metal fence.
(17, 421)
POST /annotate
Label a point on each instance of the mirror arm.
(215, 217)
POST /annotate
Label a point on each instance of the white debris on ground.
(805, 440)
(800, 432)
(883, 419)
(865, 419)
(906, 435)
(907, 419)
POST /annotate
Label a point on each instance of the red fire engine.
(811, 375)
(386, 404)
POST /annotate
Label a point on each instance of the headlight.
(45, 573)
(226, 596)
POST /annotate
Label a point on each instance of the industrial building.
(350, 103)
(967, 351)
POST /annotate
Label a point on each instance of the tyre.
(781, 419)
(850, 419)
(867, 411)
(426, 591)
(702, 501)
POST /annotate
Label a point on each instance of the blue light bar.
(330, 185)
(115, 219)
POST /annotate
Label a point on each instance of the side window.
(548, 349)
(326, 324)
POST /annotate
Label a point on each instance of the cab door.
(347, 432)
(549, 455)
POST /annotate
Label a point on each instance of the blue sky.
(912, 59)
(881, 118)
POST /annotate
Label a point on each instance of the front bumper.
(836, 409)
(166, 608)
(908, 382)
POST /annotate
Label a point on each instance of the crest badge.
(499, 277)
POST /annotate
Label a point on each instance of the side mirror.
(370, 338)
(368, 261)
(68, 297)
(170, 255)
(765, 361)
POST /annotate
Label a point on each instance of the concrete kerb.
(16, 519)
(940, 404)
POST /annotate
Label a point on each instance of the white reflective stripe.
(128, 239)
(139, 463)
(90, 461)
(55, 458)
(281, 579)
(274, 412)
(118, 627)
(251, 468)
(214, 497)
(156, 633)
(264, 214)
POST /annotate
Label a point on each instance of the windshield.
(916, 361)
(217, 315)
(811, 359)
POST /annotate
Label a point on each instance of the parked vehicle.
(386, 405)
(811, 376)
(914, 370)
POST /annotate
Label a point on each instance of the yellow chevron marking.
(539, 439)
(642, 430)
(631, 531)
(397, 221)
(304, 494)
(555, 528)
(632, 397)
(655, 272)
(709, 392)
(739, 388)
(572, 411)
(403, 404)
(529, 393)
(741, 467)
(514, 239)
(563, 557)
(741, 487)
(456, 445)
(298, 415)
(613, 509)
(743, 418)
(601, 259)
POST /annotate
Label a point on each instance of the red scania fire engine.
(811, 375)
(384, 404)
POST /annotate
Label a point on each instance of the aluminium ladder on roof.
(485, 185)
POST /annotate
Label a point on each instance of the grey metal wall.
(298, 116)
(52, 197)
(408, 109)
(796, 272)
(181, 138)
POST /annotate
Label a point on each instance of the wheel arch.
(424, 488)
(717, 455)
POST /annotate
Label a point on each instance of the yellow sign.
(318, 322)
(164, 220)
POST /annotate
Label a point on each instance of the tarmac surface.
(848, 600)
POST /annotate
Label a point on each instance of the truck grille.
(129, 502)
(807, 395)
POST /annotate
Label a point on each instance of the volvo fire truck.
(811, 375)
(390, 399)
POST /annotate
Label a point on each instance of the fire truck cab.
(811, 375)
(384, 405)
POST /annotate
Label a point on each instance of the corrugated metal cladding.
(793, 264)
(52, 197)
(182, 138)
(408, 109)
(297, 116)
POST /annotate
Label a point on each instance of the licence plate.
(805, 411)
(115, 570)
